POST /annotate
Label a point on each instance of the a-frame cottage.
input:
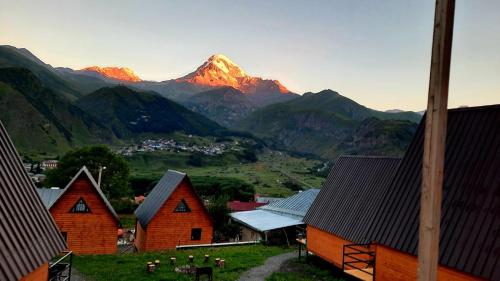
(85, 217)
(353, 209)
(29, 237)
(171, 215)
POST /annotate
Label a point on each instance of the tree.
(115, 178)
(219, 212)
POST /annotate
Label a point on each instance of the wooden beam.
(434, 141)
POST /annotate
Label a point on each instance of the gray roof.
(29, 237)
(283, 213)
(470, 210)
(51, 196)
(261, 220)
(295, 206)
(351, 196)
(158, 196)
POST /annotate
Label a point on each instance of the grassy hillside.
(127, 113)
(40, 120)
(327, 124)
(22, 58)
(224, 105)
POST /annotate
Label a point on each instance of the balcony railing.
(60, 270)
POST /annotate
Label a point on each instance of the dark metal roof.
(158, 196)
(470, 213)
(350, 196)
(29, 236)
(51, 196)
(295, 206)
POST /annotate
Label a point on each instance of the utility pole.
(101, 168)
(434, 142)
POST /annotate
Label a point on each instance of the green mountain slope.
(224, 105)
(327, 124)
(39, 120)
(20, 57)
(128, 113)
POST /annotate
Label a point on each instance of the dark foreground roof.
(470, 220)
(51, 196)
(350, 196)
(295, 206)
(29, 236)
(157, 197)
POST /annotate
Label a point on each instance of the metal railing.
(60, 270)
(359, 257)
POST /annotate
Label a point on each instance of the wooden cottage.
(85, 217)
(29, 237)
(388, 219)
(172, 215)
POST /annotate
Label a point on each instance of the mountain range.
(111, 104)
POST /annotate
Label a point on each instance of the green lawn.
(133, 266)
(314, 270)
(267, 174)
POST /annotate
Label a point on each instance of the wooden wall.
(168, 229)
(398, 266)
(87, 233)
(326, 245)
(39, 274)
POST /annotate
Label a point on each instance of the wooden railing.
(60, 270)
(359, 257)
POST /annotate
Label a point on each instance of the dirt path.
(272, 264)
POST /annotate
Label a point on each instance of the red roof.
(238, 206)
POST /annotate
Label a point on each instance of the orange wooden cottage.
(29, 237)
(171, 215)
(85, 217)
(356, 207)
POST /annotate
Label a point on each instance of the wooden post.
(434, 141)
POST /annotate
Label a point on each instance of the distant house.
(350, 211)
(238, 206)
(85, 217)
(49, 164)
(275, 222)
(172, 215)
(29, 237)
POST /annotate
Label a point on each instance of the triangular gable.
(160, 194)
(84, 171)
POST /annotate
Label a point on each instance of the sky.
(374, 52)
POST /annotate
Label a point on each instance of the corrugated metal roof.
(157, 197)
(82, 172)
(261, 220)
(29, 236)
(49, 195)
(351, 195)
(470, 213)
(295, 206)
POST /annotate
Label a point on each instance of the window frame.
(185, 205)
(198, 231)
(74, 209)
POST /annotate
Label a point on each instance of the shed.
(29, 237)
(84, 215)
(172, 215)
(276, 218)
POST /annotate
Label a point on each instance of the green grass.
(313, 270)
(132, 267)
(267, 174)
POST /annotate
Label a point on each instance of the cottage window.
(80, 207)
(182, 207)
(196, 234)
